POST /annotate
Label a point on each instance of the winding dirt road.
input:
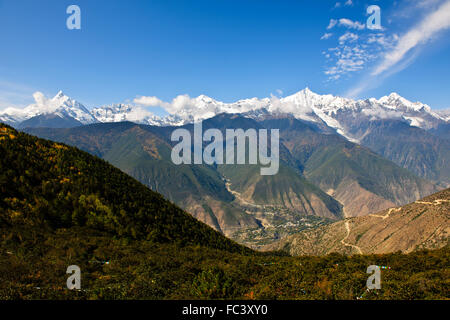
(436, 202)
(347, 227)
(386, 215)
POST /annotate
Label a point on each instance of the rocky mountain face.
(358, 178)
(419, 151)
(423, 224)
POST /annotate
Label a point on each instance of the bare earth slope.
(421, 224)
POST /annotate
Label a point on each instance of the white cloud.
(290, 106)
(426, 3)
(381, 113)
(332, 23)
(385, 41)
(351, 24)
(40, 98)
(402, 54)
(348, 36)
(433, 23)
(347, 59)
(149, 101)
(326, 36)
(348, 3)
(181, 102)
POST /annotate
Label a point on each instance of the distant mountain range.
(372, 123)
(346, 116)
(339, 157)
(322, 177)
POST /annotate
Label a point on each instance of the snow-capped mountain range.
(344, 115)
(60, 105)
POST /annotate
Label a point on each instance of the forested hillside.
(48, 185)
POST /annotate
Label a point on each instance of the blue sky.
(226, 49)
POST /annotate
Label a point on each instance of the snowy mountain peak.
(60, 105)
(396, 101)
(394, 95)
(204, 98)
(124, 112)
(308, 92)
(59, 95)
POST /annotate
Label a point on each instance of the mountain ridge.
(304, 104)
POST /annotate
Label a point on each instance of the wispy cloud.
(433, 23)
(180, 102)
(347, 23)
(348, 3)
(351, 24)
(149, 101)
(348, 36)
(386, 41)
(332, 23)
(347, 59)
(326, 36)
(400, 51)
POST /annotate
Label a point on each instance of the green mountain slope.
(144, 153)
(287, 190)
(48, 185)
